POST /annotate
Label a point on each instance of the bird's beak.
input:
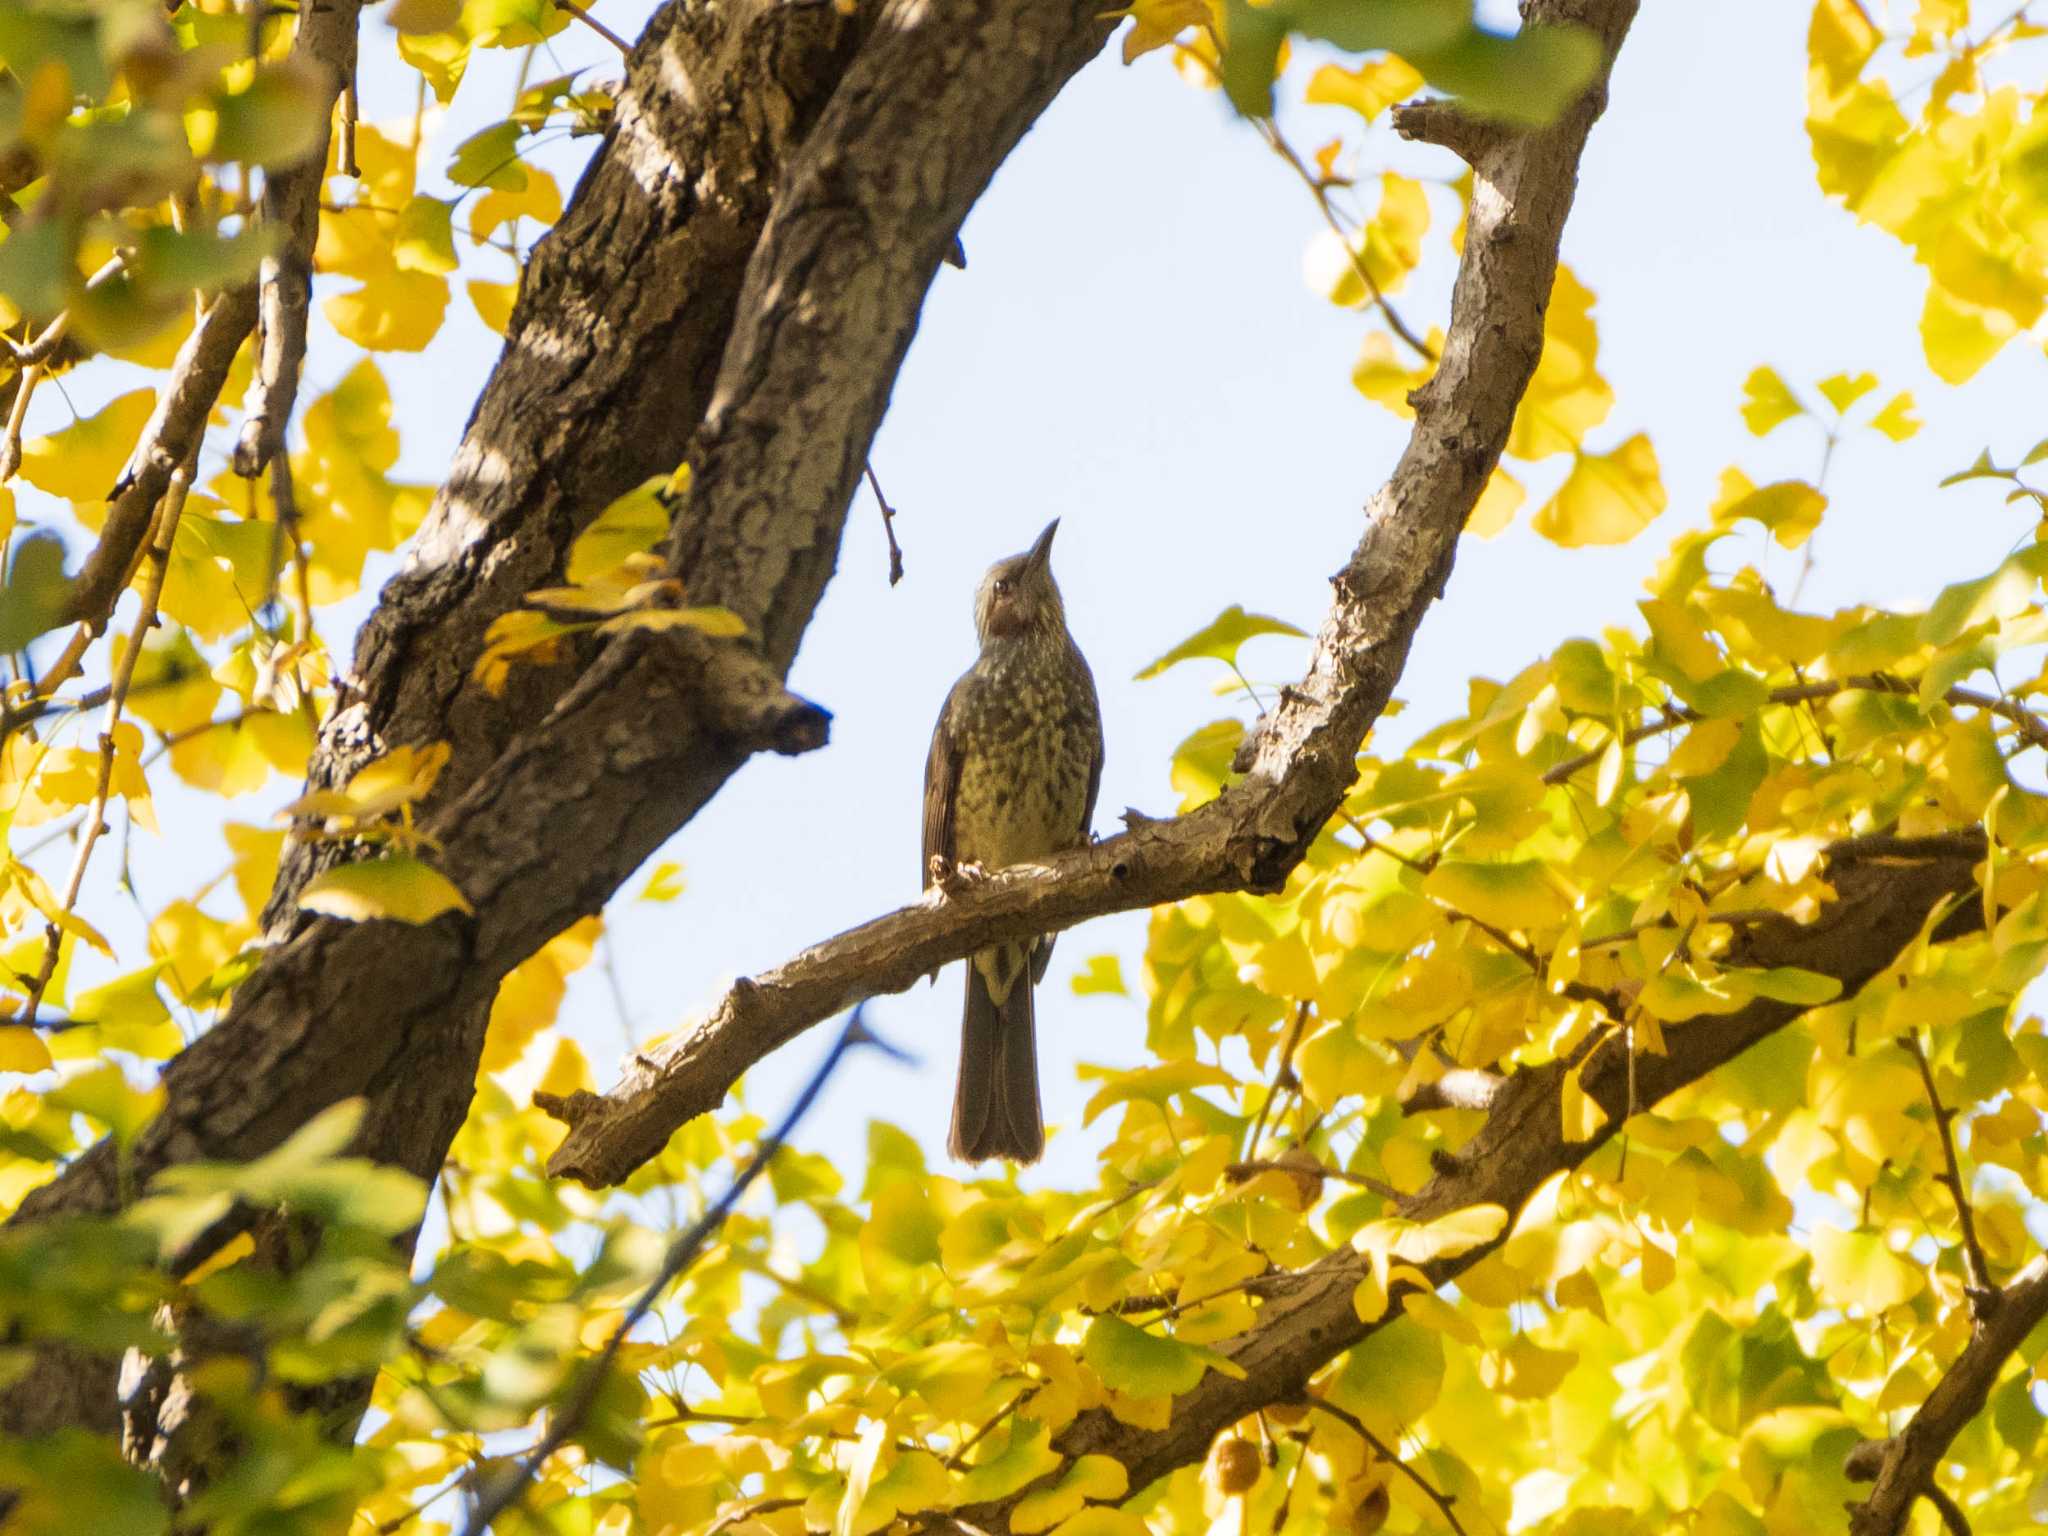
(1041, 552)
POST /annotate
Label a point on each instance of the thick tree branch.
(543, 831)
(1303, 757)
(1884, 902)
(1905, 1464)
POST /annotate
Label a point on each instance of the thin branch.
(1982, 1292)
(495, 1500)
(1239, 1172)
(888, 524)
(1671, 716)
(1443, 1501)
(1901, 1469)
(158, 560)
(10, 445)
(603, 31)
(1283, 1079)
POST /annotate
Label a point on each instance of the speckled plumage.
(1015, 763)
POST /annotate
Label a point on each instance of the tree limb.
(543, 831)
(1884, 902)
(1304, 755)
(1905, 1464)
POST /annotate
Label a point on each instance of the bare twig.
(888, 525)
(1671, 715)
(603, 31)
(158, 559)
(494, 1501)
(1443, 1501)
(1283, 1079)
(1982, 1292)
(1239, 1172)
(10, 446)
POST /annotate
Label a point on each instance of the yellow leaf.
(395, 886)
(1369, 89)
(22, 1050)
(82, 462)
(1155, 23)
(1382, 377)
(425, 238)
(395, 311)
(1606, 499)
(493, 302)
(1896, 420)
(1791, 509)
(1512, 895)
(540, 199)
(1841, 40)
(1582, 1112)
(1767, 403)
(1497, 504)
(530, 997)
(665, 883)
(1526, 1369)
(1566, 397)
(1858, 1270)
(1960, 337)
(1090, 1478)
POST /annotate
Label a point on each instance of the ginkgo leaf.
(1895, 419)
(82, 461)
(1768, 402)
(664, 882)
(1368, 90)
(1102, 976)
(1858, 1270)
(1099, 1479)
(1221, 639)
(1512, 894)
(1146, 1364)
(1843, 390)
(1607, 498)
(395, 886)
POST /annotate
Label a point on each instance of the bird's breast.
(1027, 740)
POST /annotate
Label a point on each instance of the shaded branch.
(1982, 1293)
(1904, 1465)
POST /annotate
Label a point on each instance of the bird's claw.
(952, 878)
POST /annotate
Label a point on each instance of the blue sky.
(1133, 349)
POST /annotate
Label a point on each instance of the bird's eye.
(1003, 586)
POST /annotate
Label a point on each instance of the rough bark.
(1303, 757)
(1884, 899)
(549, 810)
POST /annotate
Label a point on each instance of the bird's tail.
(995, 1098)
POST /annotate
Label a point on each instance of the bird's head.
(1018, 596)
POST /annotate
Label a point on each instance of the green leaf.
(1980, 469)
(1026, 1456)
(277, 120)
(1857, 1269)
(1145, 1364)
(1517, 894)
(1220, 639)
(38, 593)
(425, 239)
(395, 886)
(631, 525)
(489, 159)
(1526, 79)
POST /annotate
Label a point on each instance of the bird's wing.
(941, 783)
(1095, 763)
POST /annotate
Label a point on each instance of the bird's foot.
(952, 878)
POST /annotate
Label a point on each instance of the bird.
(1015, 763)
